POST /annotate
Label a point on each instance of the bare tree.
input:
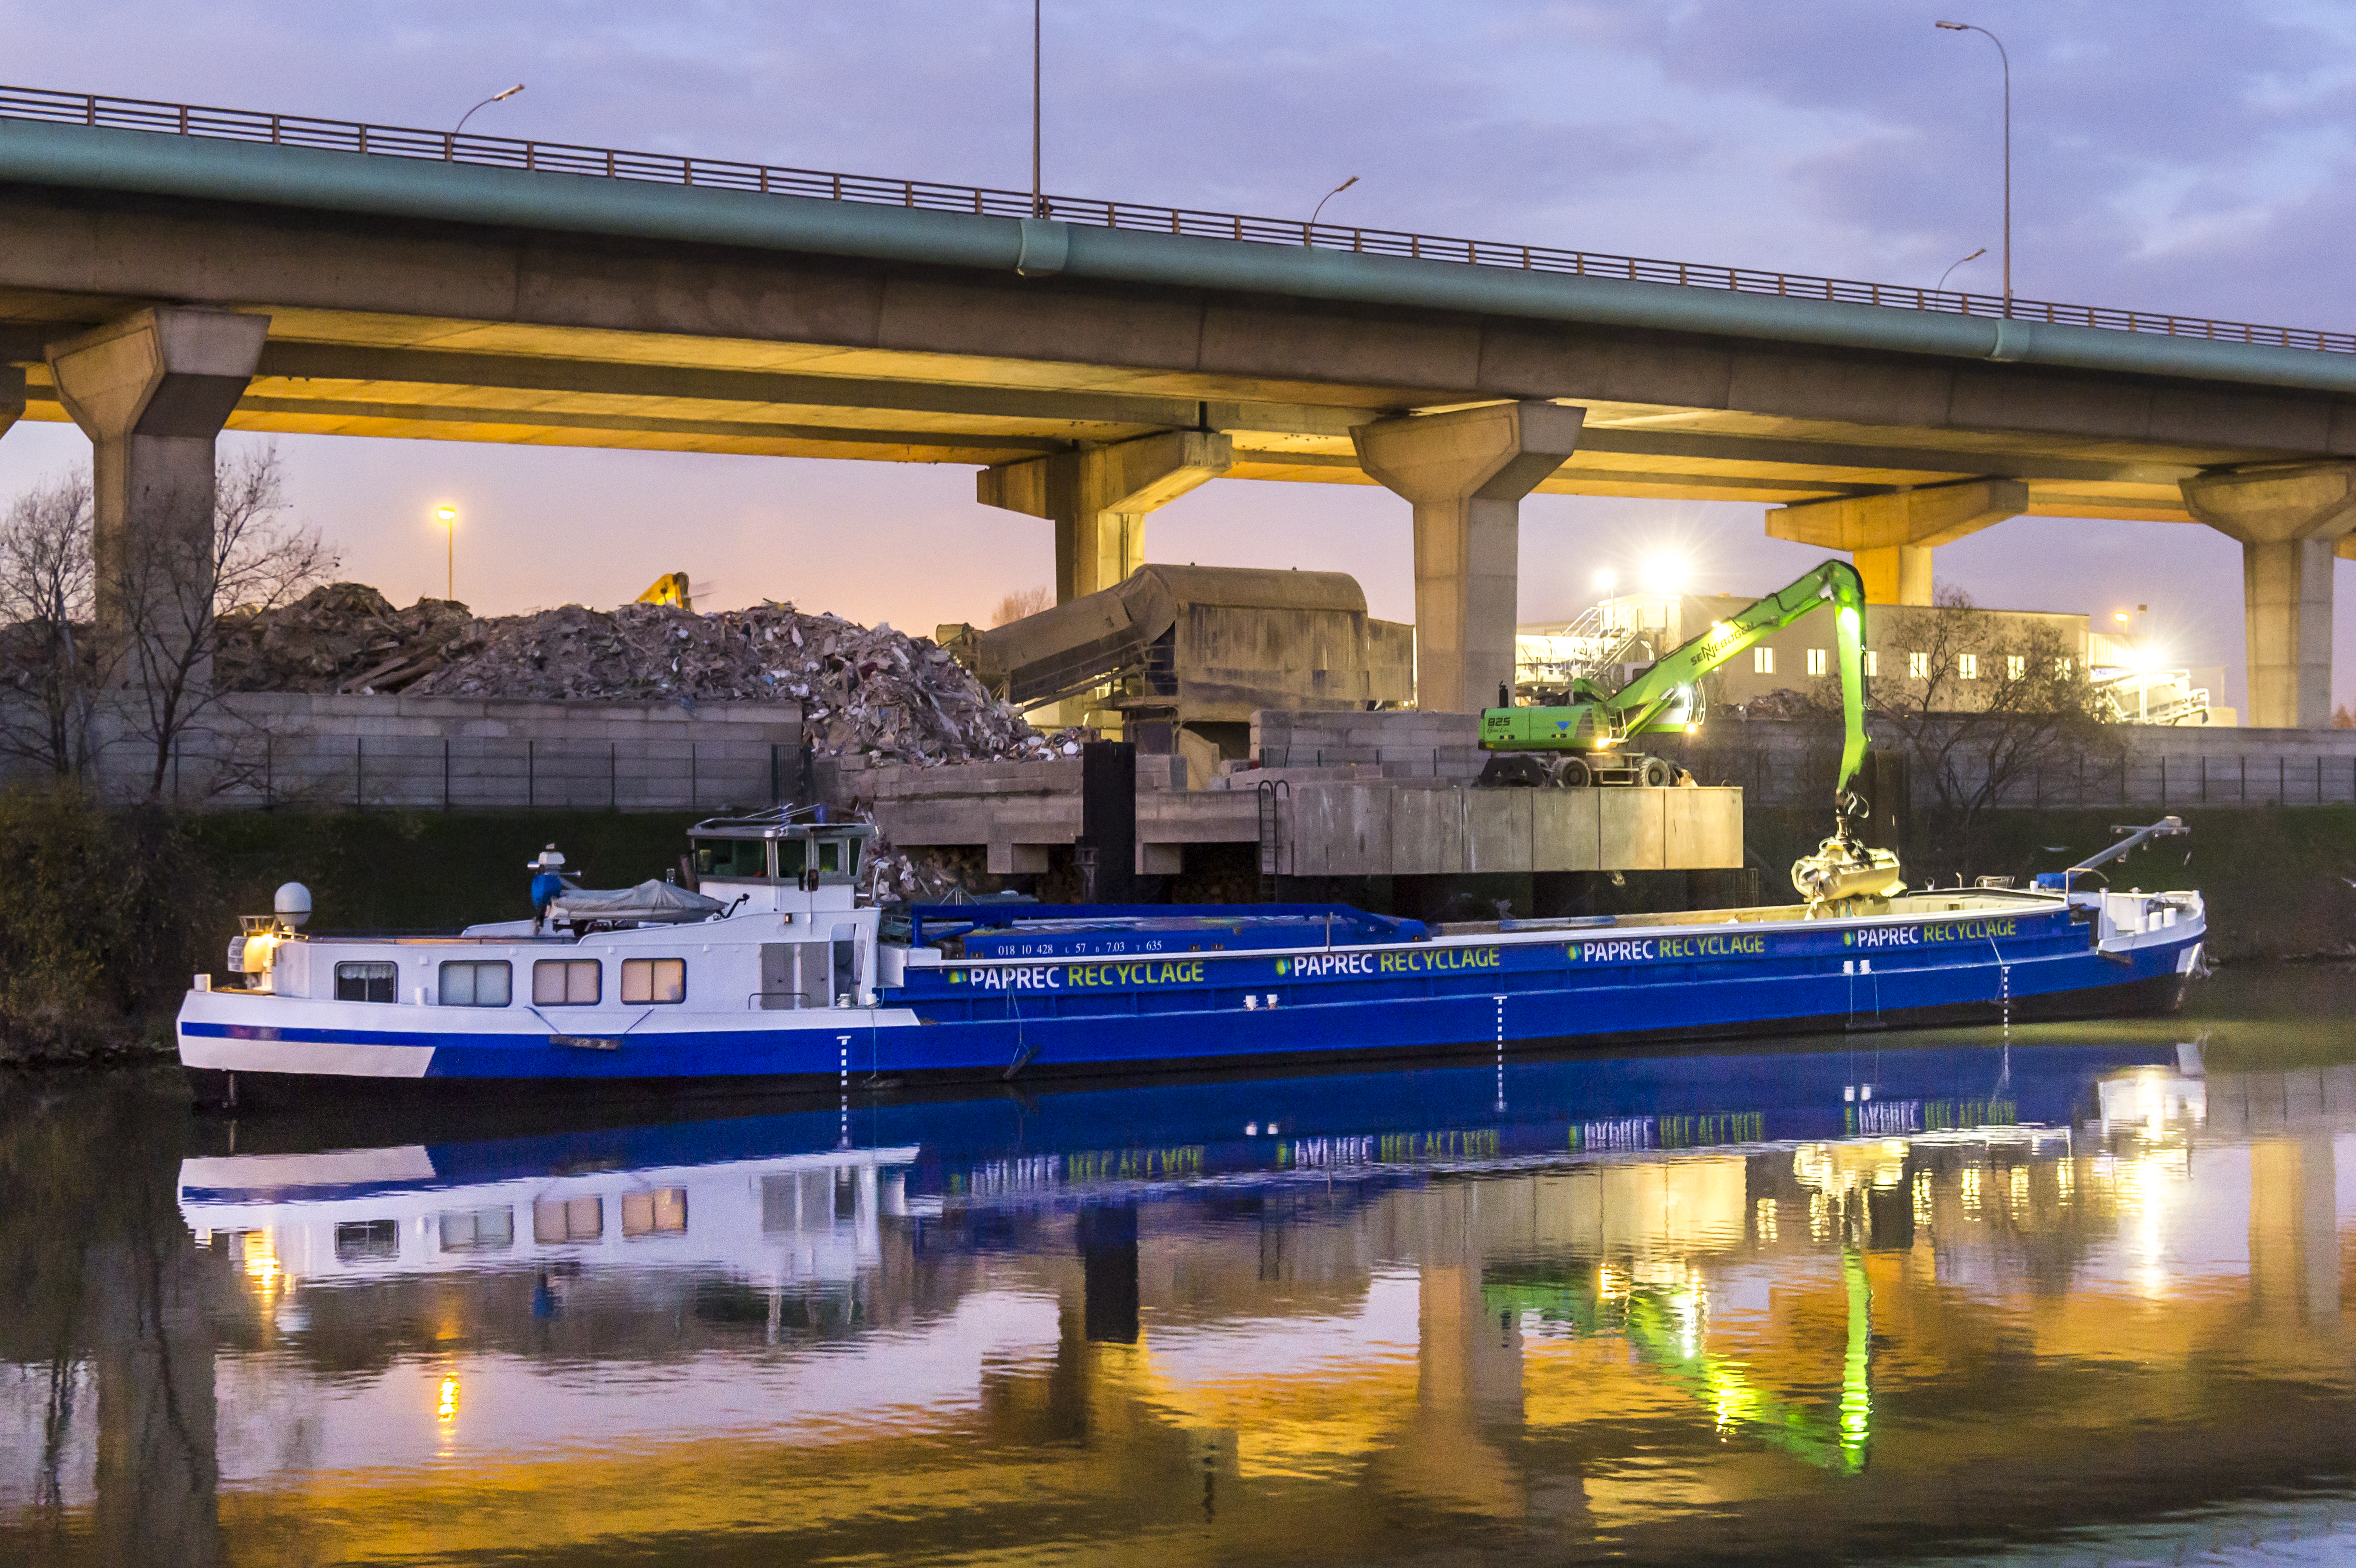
(173, 584)
(46, 650)
(1021, 602)
(1980, 703)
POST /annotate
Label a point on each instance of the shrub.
(101, 920)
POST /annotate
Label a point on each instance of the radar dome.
(293, 905)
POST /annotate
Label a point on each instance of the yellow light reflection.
(260, 1261)
(448, 1411)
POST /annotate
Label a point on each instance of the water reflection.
(1816, 1303)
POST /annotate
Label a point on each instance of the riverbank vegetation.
(110, 910)
(102, 918)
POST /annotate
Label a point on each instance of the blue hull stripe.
(1503, 994)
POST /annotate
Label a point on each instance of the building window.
(654, 979)
(2062, 668)
(2015, 667)
(365, 982)
(1762, 661)
(1967, 666)
(477, 1230)
(566, 982)
(568, 1220)
(1820, 661)
(661, 1213)
(1872, 664)
(1918, 666)
(475, 984)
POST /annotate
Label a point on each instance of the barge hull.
(2158, 992)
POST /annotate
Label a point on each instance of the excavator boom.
(1650, 702)
(1843, 872)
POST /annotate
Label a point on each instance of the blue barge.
(774, 975)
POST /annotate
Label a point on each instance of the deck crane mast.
(1587, 734)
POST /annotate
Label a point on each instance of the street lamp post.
(448, 518)
(2007, 59)
(450, 147)
(1038, 195)
(1324, 199)
(1953, 265)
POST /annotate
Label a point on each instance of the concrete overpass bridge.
(168, 269)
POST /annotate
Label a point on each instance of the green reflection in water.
(1665, 1326)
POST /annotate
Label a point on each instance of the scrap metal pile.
(864, 691)
(345, 636)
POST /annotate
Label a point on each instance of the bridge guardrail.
(726, 174)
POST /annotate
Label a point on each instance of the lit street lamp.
(448, 518)
(1953, 265)
(450, 146)
(2007, 59)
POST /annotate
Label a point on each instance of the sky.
(2194, 157)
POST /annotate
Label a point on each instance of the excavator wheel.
(1511, 770)
(1572, 773)
(1655, 774)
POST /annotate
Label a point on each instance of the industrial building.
(1620, 634)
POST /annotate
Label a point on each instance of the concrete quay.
(1351, 819)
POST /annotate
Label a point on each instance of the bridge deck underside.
(891, 408)
(382, 328)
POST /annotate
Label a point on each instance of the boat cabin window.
(365, 982)
(661, 1213)
(654, 979)
(566, 982)
(792, 856)
(555, 1219)
(475, 983)
(365, 1240)
(836, 857)
(746, 860)
(477, 1230)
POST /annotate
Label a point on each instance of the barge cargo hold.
(773, 976)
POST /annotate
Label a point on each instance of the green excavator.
(1595, 739)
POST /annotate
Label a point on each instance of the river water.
(2077, 1296)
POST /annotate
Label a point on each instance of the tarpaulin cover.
(650, 900)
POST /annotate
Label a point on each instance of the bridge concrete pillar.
(12, 396)
(2290, 521)
(1465, 473)
(152, 391)
(1891, 536)
(1098, 499)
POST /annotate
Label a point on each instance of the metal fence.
(769, 179)
(1790, 776)
(1798, 776)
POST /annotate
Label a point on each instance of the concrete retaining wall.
(325, 751)
(1399, 829)
(1389, 742)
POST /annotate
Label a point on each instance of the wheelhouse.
(774, 849)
